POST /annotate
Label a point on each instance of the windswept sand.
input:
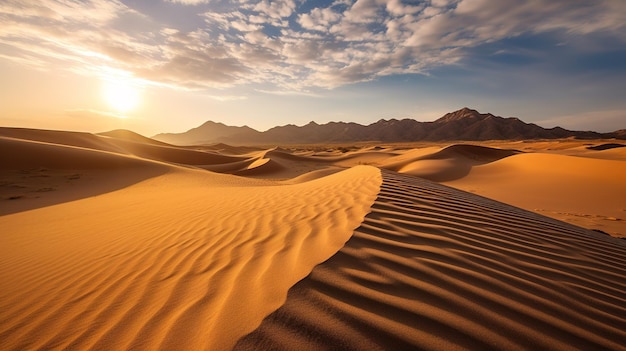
(435, 268)
(185, 260)
(116, 242)
(588, 192)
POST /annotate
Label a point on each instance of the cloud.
(397, 8)
(67, 32)
(277, 9)
(474, 22)
(289, 93)
(62, 11)
(227, 97)
(188, 2)
(319, 19)
(250, 42)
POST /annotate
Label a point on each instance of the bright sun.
(121, 95)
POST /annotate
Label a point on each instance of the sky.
(156, 66)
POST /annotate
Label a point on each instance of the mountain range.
(463, 125)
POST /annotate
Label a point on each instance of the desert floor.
(114, 241)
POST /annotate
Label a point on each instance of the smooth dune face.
(434, 268)
(187, 260)
(584, 191)
(447, 164)
(36, 174)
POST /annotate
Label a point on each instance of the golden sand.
(117, 242)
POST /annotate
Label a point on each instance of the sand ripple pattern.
(184, 261)
(434, 268)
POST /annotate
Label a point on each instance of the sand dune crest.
(434, 268)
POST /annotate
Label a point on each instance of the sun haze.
(121, 96)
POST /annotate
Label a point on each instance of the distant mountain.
(464, 124)
(208, 133)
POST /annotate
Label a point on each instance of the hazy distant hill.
(464, 124)
(208, 132)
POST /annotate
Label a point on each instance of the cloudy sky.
(169, 65)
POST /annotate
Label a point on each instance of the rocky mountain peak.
(463, 114)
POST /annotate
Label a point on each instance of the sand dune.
(122, 142)
(83, 140)
(37, 174)
(434, 268)
(605, 153)
(175, 154)
(584, 191)
(132, 136)
(450, 163)
(186, 260)
(115, 241)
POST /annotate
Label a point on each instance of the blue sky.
(266, 63)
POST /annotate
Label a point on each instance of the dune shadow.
(606, 146)
(37, 174)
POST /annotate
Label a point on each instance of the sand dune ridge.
(434, 268)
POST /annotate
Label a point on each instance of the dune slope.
(36, 174)
(435, 268)
(188, 260)
(450, 163)
(584, 191)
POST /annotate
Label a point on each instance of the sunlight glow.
(122, 95)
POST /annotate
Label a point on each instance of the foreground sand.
(183, 260)
(115, 242)
(180, 261)
(588, 192)
(434, 268)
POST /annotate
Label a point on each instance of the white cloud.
(397, 8)
(276, 9)
(318, 19)
(363, 11)
(64, 11)
(267, 42)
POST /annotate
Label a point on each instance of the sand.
(117, 242)
(584, 191)
(434, 268)
(186, 259)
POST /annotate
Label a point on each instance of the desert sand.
(117, 242)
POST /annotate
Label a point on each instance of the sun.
(122, 95)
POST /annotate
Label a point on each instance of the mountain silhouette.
(463, 125)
